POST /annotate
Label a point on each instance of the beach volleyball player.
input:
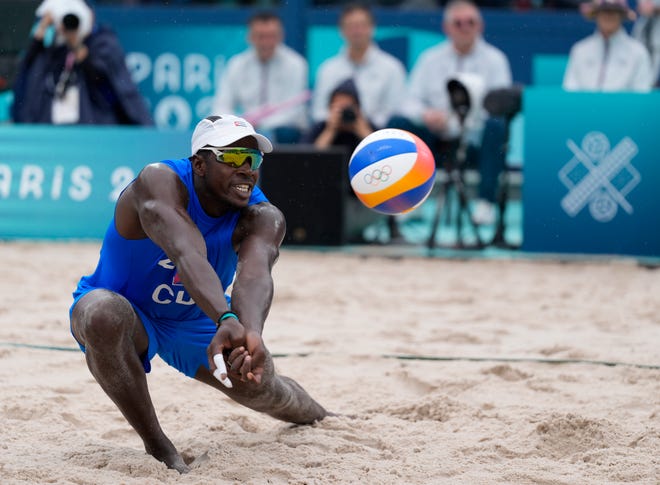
(183, 232)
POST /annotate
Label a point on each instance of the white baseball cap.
(58, 9)
(222, 130)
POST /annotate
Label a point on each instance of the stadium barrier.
(591, 172)
(62, 182)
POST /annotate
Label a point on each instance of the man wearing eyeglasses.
(427, 110)
(183, 232)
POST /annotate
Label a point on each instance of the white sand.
(416, 421)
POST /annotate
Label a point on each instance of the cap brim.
(263, 143)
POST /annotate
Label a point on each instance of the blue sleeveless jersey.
(141, 271)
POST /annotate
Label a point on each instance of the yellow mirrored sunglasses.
(236, 157)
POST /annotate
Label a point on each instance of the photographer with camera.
(345, 125)
(76, 76)
(428, 110)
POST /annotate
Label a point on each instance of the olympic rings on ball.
(392, 171)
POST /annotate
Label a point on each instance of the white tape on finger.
(221, 372)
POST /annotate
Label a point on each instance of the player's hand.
(229, 336)
(253, 361)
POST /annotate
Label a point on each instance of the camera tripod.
(499, 239)
(505, 103)
(454, 167)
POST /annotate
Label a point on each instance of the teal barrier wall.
(592, 172)
(548, 70)
(177, 73)
(59, 182)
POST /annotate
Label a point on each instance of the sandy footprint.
(435, 407)
(562, 435)
(506, 372)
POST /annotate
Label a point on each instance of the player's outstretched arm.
(257, 238)
(154, 206)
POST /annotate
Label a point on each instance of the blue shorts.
(182, 344)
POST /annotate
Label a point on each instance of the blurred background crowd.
(62, 63)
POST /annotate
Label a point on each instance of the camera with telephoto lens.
(348, 115)
(70, 22)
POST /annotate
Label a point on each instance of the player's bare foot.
(170, 457)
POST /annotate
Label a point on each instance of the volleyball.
(392, 171)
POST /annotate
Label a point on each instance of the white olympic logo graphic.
(378, 175)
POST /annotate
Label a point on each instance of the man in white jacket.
(380, 77)
(608, 60)
(267, 84)
(428, 111)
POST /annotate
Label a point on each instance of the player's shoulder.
(262, 213)
(155, 171)
(263, 219)
(159, 179)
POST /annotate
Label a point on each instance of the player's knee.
(105, 323)
(102, 329)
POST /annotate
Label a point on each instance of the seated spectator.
(427, 111)
(345, 125)
(267, 83)
(80, 77)
(380, 77)
(647, 31)
(609, 59)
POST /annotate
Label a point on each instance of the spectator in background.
(647, 31)
(267, 83)
(80, 77)
(428, 112)
(345, 125)
(380, 77)
(609, 59)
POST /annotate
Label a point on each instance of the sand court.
(507, 371)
